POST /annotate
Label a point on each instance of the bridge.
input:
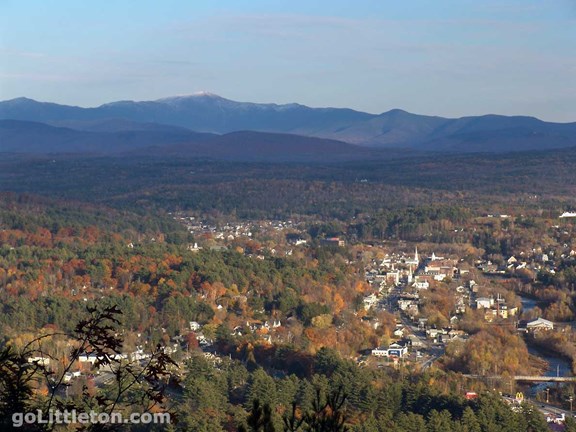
(527, 378)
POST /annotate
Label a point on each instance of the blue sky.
(441, 57)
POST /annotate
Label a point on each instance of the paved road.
(435, 351)
(390, 303)
(546, 409)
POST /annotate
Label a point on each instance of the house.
(295, 239)
(484, 303)
(87, 358)
(421, 282)
(440, 269)
(501, 310)
(507, 311)
(138, 355)
(370, 301)
(460, 305)
(539, 324)
(415, 341)
(42, 361)
(333, 241)
(488, 267)
(405, 304)
(433, 333)
(463, 271)
(203, 340)
(380, 352)
(393, 277)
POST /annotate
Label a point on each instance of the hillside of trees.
(106, 233)
(336, 190)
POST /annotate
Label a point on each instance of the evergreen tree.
(410, 422)
(287, 389)
(261, 387)
(532, 420)
(469, 421)
(495, 416)
(439, 421)
(259, 419)
(570, 425)
(305, 395)
(328, 413)
(368, 425)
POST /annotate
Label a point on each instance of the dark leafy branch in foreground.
(136, 385)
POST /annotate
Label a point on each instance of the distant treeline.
(258, 190)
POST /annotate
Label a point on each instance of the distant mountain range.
(205, 124)
(17, 136)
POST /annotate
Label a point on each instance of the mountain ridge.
(209, 113)
(26, 137)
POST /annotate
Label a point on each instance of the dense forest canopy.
(340, 190)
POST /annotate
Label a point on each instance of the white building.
(484, 303)
(396, 349)
(539, 324)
